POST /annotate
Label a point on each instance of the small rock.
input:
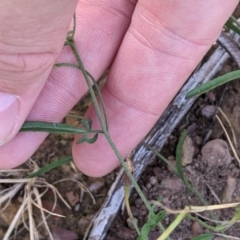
(138, 202)
(216, 152)
(172, 161)
(8, 214)
(148, 185)
(172, 184)
(2, 232)
(135, 211)
(157, 172)
(153, 235)
(191, 170)
(196, 229)
(130, 222)
(20, 199)
(187, 151)
(237, 199)
(72, 198)
(198, 140)
(77, 207)
(211, 96)
(84, 222)
(48, 205)
(153, 180)
(124, 233)
(171, 158)
(63, 234)
(229, 189)
(208, 111)
(192, 128)
(165, 201)
(196, 151)
(96, 186)
(144, 211)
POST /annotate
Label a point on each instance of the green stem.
(104, 129)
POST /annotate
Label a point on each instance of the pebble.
(138, 202)
(196, 229)
(2, 232)
(72, 198)
(48, 205)
(77, 207)
(187, 151)
(124, 233)
(84, 222)
(130, 222)
(96, 186)
(192, 128)
(148, 185)
(8, 214)
(153, 180)
(198, 140)
(208, 111)
(63, 234)
(216, 152)
(228, 190)
(171, 160)
(135, 211)
(144, 211)
(157, 172)
(172, 184)
(211, 96)
(153, 235)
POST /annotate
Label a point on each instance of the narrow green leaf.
(51, 166)
(232, 27)
(179, 156)
(213, 84)
(54, 128)
(206, 236)
(233, 24)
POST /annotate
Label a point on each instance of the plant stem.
(104, 128)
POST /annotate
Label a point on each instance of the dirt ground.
(213, 171)
(211, 168)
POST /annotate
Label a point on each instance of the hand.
(153, 46)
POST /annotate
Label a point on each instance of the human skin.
(152, 46)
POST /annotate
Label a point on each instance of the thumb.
(32, 33)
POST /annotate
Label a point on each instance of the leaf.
(53, 128)
(206, 236)
(153, 219)
(51, 166)
(213, 84)
(233, 24)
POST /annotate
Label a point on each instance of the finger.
(101, 26)
(164, 43)
(32, 34)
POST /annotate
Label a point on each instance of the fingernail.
(8, 114)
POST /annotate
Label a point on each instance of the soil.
(209, 164)
(213, 170)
